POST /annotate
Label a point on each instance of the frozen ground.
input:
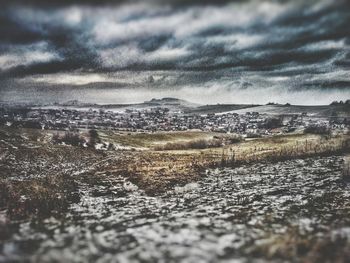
(295, 210)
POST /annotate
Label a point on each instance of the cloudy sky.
(109, 51)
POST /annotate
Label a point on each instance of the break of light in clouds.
(203, 51)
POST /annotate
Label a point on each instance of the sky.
(203, 51)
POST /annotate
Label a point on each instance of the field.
(272, 198)
(158, 171)
(150, 140)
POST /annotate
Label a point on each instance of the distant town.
(163, 118)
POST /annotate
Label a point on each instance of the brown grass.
(158, 171)
(303, 248)
(153, 171)
(42, 197)
(215, 142)
(272, 150)
(196, 144)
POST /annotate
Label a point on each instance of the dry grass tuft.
(195, 144)
(304, 248)
(346, 168)
(215, 142)
(40, 197)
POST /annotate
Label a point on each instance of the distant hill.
(316, 111)
(174, 104)
(218, 108)
(171, 102)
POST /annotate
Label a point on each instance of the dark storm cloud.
(13, 33)
(344, 61)
(327, 24)
(328, 84)
(114, 2)
(215, 40)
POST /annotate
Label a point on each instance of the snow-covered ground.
(246, 213)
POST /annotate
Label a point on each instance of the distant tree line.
(77, 139)
(347, 102)
(321, 130)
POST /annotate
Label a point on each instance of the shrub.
(195, 144)
(216, 141)
(69, 138)
(5, 193)
(315, 129)
(229, 139)
(273, 123)
(93, 138)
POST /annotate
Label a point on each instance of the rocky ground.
(295, 210)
